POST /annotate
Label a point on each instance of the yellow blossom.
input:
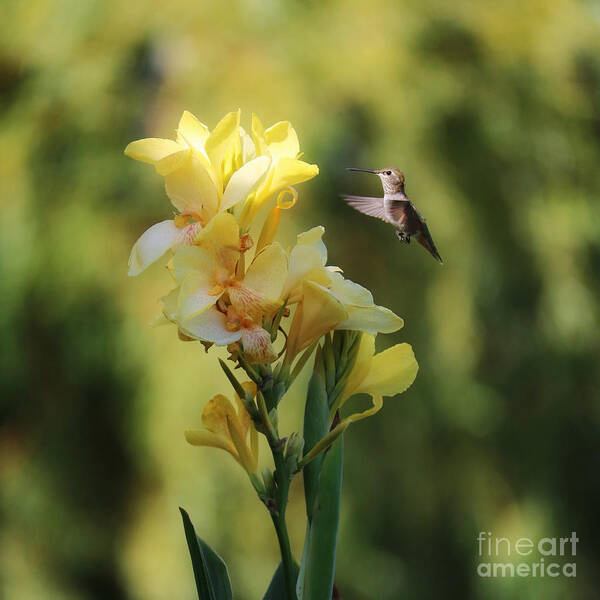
(214, 304)
(205, 173)
(326, 300)
(316, 314)
(280, 143)
(228, 426)
(388, 373)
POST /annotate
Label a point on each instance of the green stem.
(280, 496)
(278, 517)
(270, 432)
(282, 486)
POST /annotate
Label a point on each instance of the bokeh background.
(492, 109)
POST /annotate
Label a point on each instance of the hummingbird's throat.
(391, 188)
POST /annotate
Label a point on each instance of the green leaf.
(316, 426)
(315, 581)
(277, 589)
(210, 572)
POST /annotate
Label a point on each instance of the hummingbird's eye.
(388, 172)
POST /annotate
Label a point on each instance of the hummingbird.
(395, 208)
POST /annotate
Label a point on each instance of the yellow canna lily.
(205, 173)
(317, 313)
(387, 373)
(326, 299)
(214, 302)
(228, 426)
(280, 143)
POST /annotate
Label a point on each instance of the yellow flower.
(317, 313)
(388, 373)
(228, 426)
(326, 299)
(280, 143)
(214, 303)
(205, 173)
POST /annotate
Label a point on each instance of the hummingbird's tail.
(425, 239)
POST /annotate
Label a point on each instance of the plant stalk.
(280, 497)
(282, 480)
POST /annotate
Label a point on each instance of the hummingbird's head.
(392, 179)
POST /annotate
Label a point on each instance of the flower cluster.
(257, 298)
(210, 172)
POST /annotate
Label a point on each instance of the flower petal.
(248, 147)
(371, 319)
(318, 312)
(221, 237)
(170, 304)
(259, 293)
(290, 171)
(188, 235)
(194, 270)
(195, 296)
(245, 419)
(221, 138)
(165, 155)
(348, 291)
(215, 414)
(207, 438)
(247, 459)
(257, 345)
(191, 132)
(268, 271)
(194, 260)
(376, 407)
(282, 140)
(154, 243)
(210, 326)
(392, 371)
(307, 260)
(366, 350)
(328, 439)
(244, 181)
(247, 302)
(258, 135)
(192, 190)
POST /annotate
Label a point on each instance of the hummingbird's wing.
(399, 211)
(368, 206)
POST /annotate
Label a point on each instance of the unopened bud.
(268, 480)
(294, 446)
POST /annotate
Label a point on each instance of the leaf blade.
(318, 562)
(210, 571)
(277, 589)
(316, 426)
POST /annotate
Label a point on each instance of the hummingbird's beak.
(363, 170)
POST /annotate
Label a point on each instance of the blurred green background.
(492, 109)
